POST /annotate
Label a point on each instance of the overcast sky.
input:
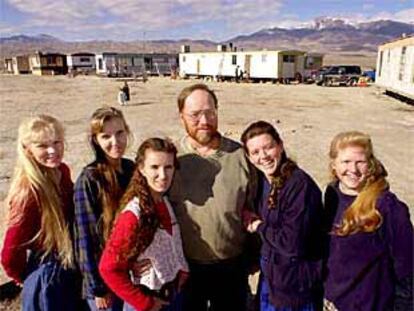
(175, 19)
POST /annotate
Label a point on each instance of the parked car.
(314, 74)
(339, 75)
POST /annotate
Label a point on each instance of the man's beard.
(203, 137)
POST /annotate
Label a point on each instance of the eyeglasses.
(196, 115)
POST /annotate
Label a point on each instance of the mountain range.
(324, 35)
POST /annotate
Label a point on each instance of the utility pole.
(143, 41)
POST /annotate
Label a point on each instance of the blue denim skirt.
(50, 287)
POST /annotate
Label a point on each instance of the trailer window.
(50, 60)
(380, 63)
(234, 59)
(288, 58)
(264, 58)
(183, 59)
(402, 63)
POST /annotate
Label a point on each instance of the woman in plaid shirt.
(98, 191)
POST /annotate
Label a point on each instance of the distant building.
(395, 66)
(106, 64)
(313, 62)
(17, 65)
(162, 63)
(263, 65)
(81, 62)
(133, 64)
(48, 64)
(8, 65)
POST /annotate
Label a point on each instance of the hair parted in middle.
(190, 89)
(139, 188)
(361, 215)
(284, 168)
(110, 192)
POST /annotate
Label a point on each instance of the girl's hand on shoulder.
(252, 227)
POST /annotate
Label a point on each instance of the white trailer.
(81, 62)
(259, 65)
(395, 67)
(106, 64)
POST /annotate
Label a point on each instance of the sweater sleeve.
(18, 241)
(288, 236)
(114, 267)
(399, 236)
(87, 240)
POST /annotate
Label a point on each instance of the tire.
(351, 82)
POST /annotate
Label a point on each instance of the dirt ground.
(307, 116)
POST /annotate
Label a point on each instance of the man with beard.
(210, 190)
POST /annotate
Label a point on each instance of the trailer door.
(247, 60)
(288, 66)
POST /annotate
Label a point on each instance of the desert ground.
(307, 116)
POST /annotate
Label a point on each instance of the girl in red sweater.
(37, 250)
(147, 231)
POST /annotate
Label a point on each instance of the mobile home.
(8, 65)
(395, 67)
(162, 63)
(132, 64)
(81, 62)
(48, 64)
(106, 64)
(17, 65)
(313, 62)
(262, 65)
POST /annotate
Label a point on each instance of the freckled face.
(351, 168)
(264, 153)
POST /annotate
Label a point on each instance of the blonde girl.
(370, 264)
(37, 250)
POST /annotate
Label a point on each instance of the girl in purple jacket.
(289, 207)
(370, 264)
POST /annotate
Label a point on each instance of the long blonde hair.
(362, 215)
(34, 181)
(110, 192)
